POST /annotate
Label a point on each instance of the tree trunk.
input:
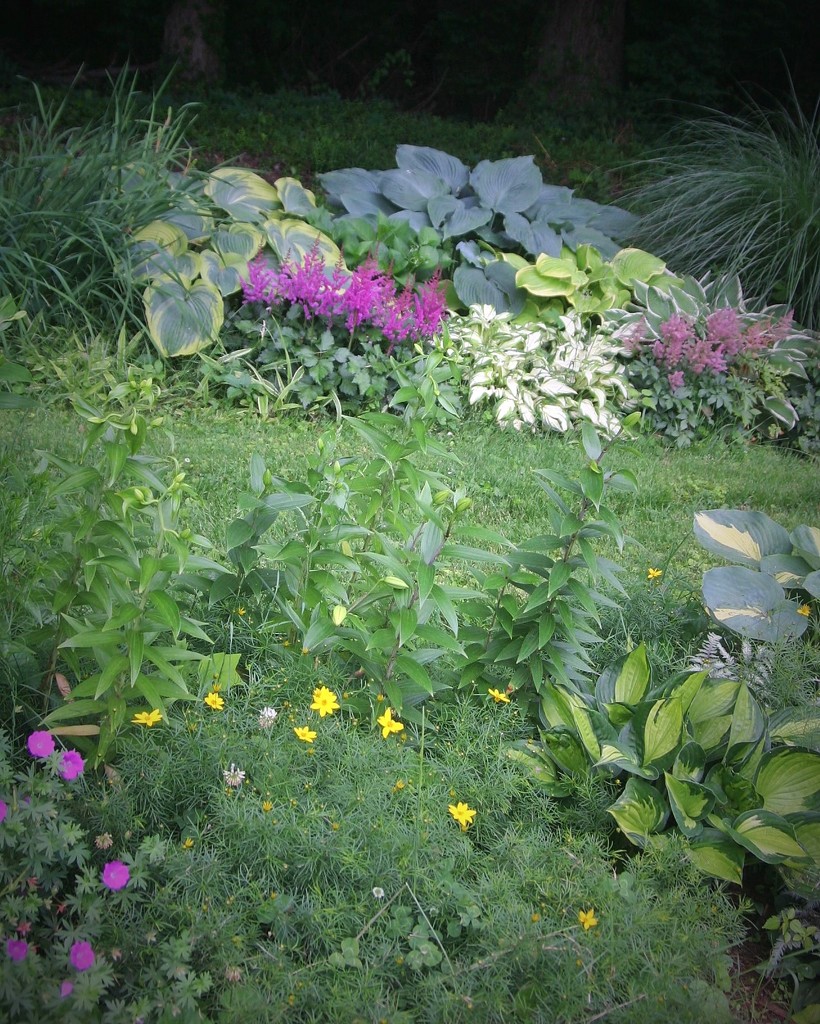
(581, 52)
(194, 31)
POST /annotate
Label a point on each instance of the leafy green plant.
(740, 194)
(537, 618)
(113, 609)
(540, 377)
(699, 749)
(750, 597)
(408, 254)
(359, 568)
(705, 362)
(795, 936)
(71, 198)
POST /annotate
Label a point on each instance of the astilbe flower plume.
(367, 297)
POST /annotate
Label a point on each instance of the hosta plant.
(750, 596)
(540, 377)
(694, 753)
(703, 361)
(196, 255)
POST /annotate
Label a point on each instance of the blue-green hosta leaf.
(412, 189)
(243, 240)
(225, 274)
(433, 161)
(788, 570)
(690, 803)
(463, 219)
(551, 205)
(806, 541)
(507, 186)
(613, 221)
(788, 781)
(361, 203)
(293, 239)
(440, 207)
(535, 236)
(473, 288)
(812, 583)
(752, 604)
(242, 194)
(639, 811)
(585, 234)
(715, 854)
(417, 219)
(349, 179)
(183, 319)
(743, 537)
(768, 836)
(294, 197)
(690, 762)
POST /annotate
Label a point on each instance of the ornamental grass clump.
(740, 194)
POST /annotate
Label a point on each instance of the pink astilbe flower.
(16, 949)
(675, 380)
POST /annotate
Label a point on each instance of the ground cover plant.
(393, 715)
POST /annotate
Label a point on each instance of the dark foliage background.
(458, 58)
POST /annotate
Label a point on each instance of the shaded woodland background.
(461, 59)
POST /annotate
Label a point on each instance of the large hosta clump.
(503, 203)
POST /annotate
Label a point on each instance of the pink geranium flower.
(66, 989)
(71, 765)
(82, 956)
(4, 810)
(115, 875)
(40, 744)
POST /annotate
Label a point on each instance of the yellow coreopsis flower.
(587, 918)
(463, 814)
(267, 806)
(187, 843)
(654, 574)
(305, 734)
(498, 696)
(214, 701)
(804, 609)
(325, 701)
(388, 724)
(147, 718)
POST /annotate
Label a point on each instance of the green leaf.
(182, 319)
(690, 803)
(768, 836)
(507, 186)
(806, 541)
(639, 811)
(591, 441)
(788, 781)
(219, 669)
(416, 672)
(241, 193)
(633, 679)
(662, 731)
(715, 854)
(690, 762)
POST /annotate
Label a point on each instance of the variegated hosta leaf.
(242, 194)
(806, 541)
(183, 319)
(243, 240)
(752, 604)
(293, 239)
(155, 248)
(788, 781)
(741, 536)
(640, 811)
(294, 197)
(714, 853)
(226, 273)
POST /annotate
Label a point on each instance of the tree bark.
(581, 51)
(193, 35)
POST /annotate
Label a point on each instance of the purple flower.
(82, 956)
(675, 380)
(17, 949)
(40, 744)
(71, 765)
(66, 989)
(115, 875)
(4, 810)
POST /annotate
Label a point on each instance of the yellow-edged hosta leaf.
(242, 193)
(183, 319)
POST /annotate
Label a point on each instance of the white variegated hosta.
(540, 377)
